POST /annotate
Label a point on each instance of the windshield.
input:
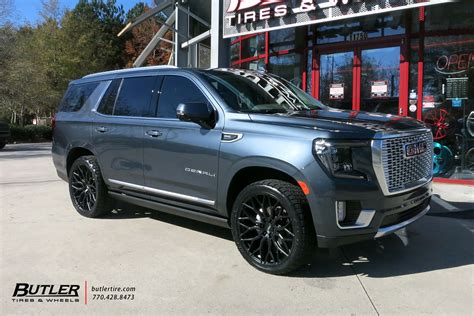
(255, 92)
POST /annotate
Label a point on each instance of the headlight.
(336, 157)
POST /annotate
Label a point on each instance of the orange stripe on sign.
(304, 187)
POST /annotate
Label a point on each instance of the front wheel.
(272, 226)
(87, 188)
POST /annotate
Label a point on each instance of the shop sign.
(454, 63)
(457, 103)
(242, 17)
(379, 89)
(457, 88)
(336, 91)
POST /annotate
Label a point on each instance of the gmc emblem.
(415, 149)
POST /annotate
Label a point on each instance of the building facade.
(416, 62)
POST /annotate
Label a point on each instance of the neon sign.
(455, 63)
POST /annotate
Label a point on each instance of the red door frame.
(357, 48)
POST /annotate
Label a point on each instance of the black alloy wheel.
(84, 188)
(265, 229)
(272, 226)
(87, 188)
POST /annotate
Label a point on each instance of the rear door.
(118, 129)
(181, 163)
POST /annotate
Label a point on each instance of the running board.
(174, 210)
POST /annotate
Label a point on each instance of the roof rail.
(127, 70)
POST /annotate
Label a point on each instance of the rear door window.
(176, 90)
(76, 95)
(135, 95)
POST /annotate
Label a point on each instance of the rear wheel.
(2, 145)
(87, 188)
(272, 227)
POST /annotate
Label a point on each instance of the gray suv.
(241, 149)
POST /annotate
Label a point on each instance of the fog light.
(341, 210)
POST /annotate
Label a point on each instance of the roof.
(128, 70)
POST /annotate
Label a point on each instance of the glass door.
(380, 80)
(335, 88)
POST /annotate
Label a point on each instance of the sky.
(26, 11)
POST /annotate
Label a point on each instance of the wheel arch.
(252, 170)
(76, 152)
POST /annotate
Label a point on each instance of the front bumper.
(389, 213)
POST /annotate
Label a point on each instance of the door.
(380, 80)
(336, 79)
(181, 163)
(118, 129)
(359, 78)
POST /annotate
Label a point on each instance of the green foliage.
(38, 62)
(30, 133)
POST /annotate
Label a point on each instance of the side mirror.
(197, 112)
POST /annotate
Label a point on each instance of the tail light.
(53, 122)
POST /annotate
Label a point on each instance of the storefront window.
(282, 40)
(448, 88)
(235, 52)
(361, 29)
(288, 66)
(380, 80)
(253, 46)
(254, 65)
(336, 80)
(448, 104)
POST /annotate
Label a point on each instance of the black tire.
(264, 238)
(87, 188)
(2, 145)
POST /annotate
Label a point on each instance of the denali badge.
(201, 172)
(415, 149)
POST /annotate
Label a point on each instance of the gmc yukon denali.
(241, 149)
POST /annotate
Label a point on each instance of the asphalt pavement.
(176, 266)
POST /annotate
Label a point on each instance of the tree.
(142, 34)
(6, 10)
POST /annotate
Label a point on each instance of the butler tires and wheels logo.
(46, 293)
(239, 5)
(249, 11)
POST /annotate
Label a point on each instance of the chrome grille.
(395, 171)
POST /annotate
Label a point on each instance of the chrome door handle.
(101, 129)
(153, 133)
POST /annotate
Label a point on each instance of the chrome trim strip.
(364, 219)
(239, 137)
(397, 134)
(390, 229)
(162, 192)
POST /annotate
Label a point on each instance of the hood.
(364, 124)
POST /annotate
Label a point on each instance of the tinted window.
(135, 96)
(76, 95)
(251, 91)
(106, 105)
(176, 90)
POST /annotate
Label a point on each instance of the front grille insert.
(395, 171)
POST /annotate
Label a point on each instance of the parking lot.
(179, 266)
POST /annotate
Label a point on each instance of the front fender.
(225, 178)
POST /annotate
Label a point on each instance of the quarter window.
(135, 97)
(106, 105)
(176, 90)
(76, 96)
